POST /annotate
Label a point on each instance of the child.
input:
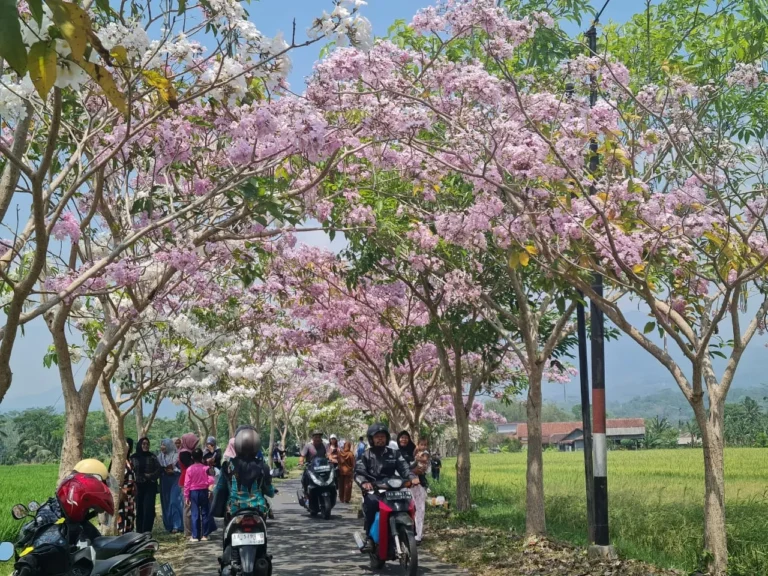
(196, 484)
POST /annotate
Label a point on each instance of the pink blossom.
(67, 226)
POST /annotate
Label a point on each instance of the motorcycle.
(321, 490)
(393, 531)
(49, 544)
(245, 546)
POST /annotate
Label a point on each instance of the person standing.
(212, 454)
(189, 443)
(126, 511)
(229, 453)
(346, 470)
(436, 464)
(360, 448)
(197, 485)
(170, 493)
(409, 452)
(421, 469)
(148, 471)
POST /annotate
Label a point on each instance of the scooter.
(393, 530)
(245, 546)
(321, 490)
(49, 542)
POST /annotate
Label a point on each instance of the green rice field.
(655, 502)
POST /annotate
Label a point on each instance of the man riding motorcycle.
(311, 450)
(378, 462)
(245, 480)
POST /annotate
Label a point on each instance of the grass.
(655, 502)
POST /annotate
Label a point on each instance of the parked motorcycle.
(321, 491)
(393, 531)
(245, 546)
(50, 544)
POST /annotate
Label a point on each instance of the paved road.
(305, 546)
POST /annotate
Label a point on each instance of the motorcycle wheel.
(326, 507)
(409, 560)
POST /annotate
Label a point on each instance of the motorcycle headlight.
(395, 483)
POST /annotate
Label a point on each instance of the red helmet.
(79, 494)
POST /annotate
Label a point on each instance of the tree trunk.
(74, 435)
(272, 427)
(116, 424)
(284, 437)
(256, 416)
(138, 412)
(535, 519)
(463, 495)
(715, 541)
(232, 416)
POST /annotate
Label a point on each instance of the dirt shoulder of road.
(493, 552)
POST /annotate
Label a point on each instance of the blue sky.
(35, 385)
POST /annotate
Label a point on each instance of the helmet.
(316, 433)
(92, 466)
(247, 442)
(334, 437)
(79, 494)
(376, 428)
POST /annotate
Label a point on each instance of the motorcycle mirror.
(33, 506)
(19, 511)
(6, 551)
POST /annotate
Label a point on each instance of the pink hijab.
(188, 442)
(230, 451)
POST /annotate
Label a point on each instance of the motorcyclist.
(311, 450)
(245, 480)
(377, 463)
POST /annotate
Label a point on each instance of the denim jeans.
(200, 522)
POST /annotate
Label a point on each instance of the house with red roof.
(569, 436)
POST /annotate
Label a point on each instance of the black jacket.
(372, 466)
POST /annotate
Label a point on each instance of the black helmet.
(376, 428)
(247, 442)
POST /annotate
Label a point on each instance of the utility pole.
(586, 412)
(602, 540)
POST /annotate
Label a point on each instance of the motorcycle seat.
(109, 546)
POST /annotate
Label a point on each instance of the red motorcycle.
(396, 527)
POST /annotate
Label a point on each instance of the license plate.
(401, 495)
(243, 539)
(165, 570)
(322, 468)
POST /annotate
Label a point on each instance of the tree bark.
(284, 437)
(272, 427)
(116, 423)
(715, 541)
(138, 412)
(535, 518)
(463, 465)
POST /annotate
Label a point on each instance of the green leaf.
(11, 43)
(36, 8)
(42, 67)
(649, 327)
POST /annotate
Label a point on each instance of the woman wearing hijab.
(408, 450)
(189, 442)
(170, 493)
(148, 471)
(212, 454)
(229, 453)
(346, 470)
(126, 511)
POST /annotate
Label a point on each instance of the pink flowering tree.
(673, 214)
(354, 332)
(117, 134)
